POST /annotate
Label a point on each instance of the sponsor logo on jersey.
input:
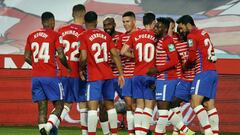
(171, 47)
(79, 43)
(190, 42)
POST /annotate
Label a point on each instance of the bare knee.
(196, 100)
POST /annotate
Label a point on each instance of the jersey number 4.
(101, 52)
(40, 52)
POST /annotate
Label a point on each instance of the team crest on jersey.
(171, 47)
(190, 42)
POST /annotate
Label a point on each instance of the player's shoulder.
(167, 38)
(35, 31)
(203, 33)
(63, 27)
(53, 35)
(96, 33)
(75, 27)
(198, 34)
(119, 33)
(43, 32)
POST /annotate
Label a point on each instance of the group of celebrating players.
(146, 66)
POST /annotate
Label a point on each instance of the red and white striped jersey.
(128, 63)
(167, 59)
(201, 50)
(182, 49)
(143, 43)
(115, 40)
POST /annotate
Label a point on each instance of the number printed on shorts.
(40, 52)
(101, 52)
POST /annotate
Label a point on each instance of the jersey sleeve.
(119, 43)
(59, 41)
(192, 44)
(172, 54)
(111, 43)
(129, 43)
(28, 45)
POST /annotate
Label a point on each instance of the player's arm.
(83, 60)
(126, 51)
(61, 55)
(82, 57)
(28, 53)
(192, 50)
(172, 56)
(28, 57)
(82, 64)
(63, 58)
(117, 61)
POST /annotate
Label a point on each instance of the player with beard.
(109, 27)
(187, 75)
(203, 89)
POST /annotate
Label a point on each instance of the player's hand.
(69, 70)
(212, 59)
(121, 81)
(170, 29)
(152, 71)
(82, 75)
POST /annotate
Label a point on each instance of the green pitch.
(63, 131)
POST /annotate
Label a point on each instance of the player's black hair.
(170, 19)
(129, 14)
(90, 17)
(164, 21)
(78, 7)
(46, 16)
(185, 19)
(148, 18)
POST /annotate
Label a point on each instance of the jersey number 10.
(145, 53)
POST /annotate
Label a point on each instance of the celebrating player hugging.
(162, 64)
